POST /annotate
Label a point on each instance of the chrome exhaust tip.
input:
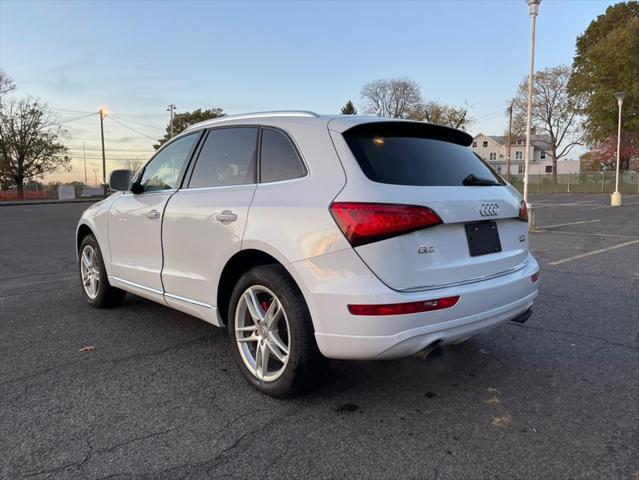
(429, 350)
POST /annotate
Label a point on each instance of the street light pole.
(84, 152)
(534, 10)
(102, 113)
(171, 108)
(510, 128)
(615, 199)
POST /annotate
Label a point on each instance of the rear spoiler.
(406, 128)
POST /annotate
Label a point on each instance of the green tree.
(349, 109)
(186, 119)
(30, 143)
(606, 61)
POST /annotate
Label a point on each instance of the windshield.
(416, 154)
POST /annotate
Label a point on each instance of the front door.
(135, 220)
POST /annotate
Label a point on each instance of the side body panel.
(197, 243)
(290, 219)
(96, 217)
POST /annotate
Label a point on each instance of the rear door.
(423, 165)
(205, 220)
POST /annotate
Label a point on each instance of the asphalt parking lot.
(160, 397)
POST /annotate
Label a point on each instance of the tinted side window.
(279, 160)
(227, 158)
(165, 170)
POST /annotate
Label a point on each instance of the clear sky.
(137, 57)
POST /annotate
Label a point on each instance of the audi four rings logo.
(489, 209)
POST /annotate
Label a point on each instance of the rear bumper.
(409, 342)
(338, 280)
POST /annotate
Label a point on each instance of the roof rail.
(276, 113)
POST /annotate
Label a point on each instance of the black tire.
(304, 358)
(107, 296)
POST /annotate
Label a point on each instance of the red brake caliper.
(265, 305)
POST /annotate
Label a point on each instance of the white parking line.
(571, 223)
(570, 204)
(564, 232)
(594, 252)
(608, 206)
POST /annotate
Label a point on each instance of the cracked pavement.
(160, 396)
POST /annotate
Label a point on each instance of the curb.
(47, 202)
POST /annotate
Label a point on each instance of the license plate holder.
(483, 238)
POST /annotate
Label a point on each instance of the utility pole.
(171, 108)
(95, 176)
(102, 114)
(533, 11)
(84, 151)
(510, 129)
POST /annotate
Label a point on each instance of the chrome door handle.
(153, 214)
(226, 217)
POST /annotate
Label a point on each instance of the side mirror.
(120, 180)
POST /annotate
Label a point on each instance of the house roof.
(539, 142)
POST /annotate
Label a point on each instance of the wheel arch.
(235, 267)
(86, 228)
(82, 232)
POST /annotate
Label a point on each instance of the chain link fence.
(589, 182)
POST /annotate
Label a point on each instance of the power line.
(69, 110)
(139, 123)
(141, 114)
(78, 118)
(58, 109)
(149, 150)
(489, 114)
(132, 129)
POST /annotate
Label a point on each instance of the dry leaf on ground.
(503, 421)
(493, 400)
(88, 348)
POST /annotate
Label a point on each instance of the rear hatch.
(422, 210)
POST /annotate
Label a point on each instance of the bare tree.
(554, 111)
(6, 84)
(29, 143)
(439, 113)
(134, 165)
(394, 97)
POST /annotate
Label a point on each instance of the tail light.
(523, 211)
(364, 223)
(534, 277)
(404, 308)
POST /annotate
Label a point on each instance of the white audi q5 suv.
(346, 237)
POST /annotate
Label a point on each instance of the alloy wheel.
(262, 333)
(90, 271)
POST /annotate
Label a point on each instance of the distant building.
(494, 150)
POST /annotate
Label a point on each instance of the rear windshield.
(417, 154)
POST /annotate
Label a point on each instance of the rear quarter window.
(278, 158)
(408, 153)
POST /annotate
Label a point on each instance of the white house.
(494, 150)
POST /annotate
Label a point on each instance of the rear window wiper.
(481, 182)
